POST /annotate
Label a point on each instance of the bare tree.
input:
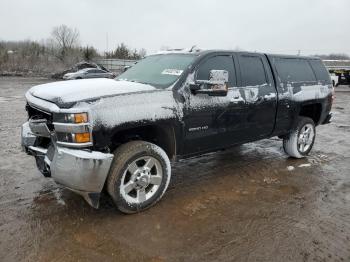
(65, 39)
(124, 52)
(142, 53)
(89, 52)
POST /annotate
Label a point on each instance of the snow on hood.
(118, 110)
(67, 92)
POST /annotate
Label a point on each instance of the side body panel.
(201, 123)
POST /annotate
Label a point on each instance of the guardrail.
(337, 64)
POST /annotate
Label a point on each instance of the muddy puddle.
(249, 203)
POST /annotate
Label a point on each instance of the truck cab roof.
(202, 52)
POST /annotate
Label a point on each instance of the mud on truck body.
(120, 135)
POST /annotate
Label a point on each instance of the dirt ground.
(250, 203)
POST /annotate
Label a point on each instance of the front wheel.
(139, 176)
(300, 141)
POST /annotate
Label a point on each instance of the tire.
(79, 77)
(300, 141)
(139, 176)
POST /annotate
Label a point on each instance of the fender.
(149, 115)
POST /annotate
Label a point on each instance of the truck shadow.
(215, 202)
(253, 161)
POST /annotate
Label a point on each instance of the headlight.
(71, 118)
(72, 129)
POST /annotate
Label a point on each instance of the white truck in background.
(335, 79)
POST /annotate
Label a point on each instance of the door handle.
(236, 99)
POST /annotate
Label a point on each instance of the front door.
(206, 117)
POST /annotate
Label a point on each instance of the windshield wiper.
(135, 81)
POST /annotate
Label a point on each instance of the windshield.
(160, 71)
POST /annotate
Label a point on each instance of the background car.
(77, 67)
(88, 73)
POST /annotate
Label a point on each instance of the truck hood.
(67, 93)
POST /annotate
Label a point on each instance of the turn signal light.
(333, 96)
(80, 118)
(82, 137)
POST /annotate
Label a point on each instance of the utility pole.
(106, 44)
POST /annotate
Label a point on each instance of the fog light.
(82, 137)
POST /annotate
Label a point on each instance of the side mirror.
(217, 85)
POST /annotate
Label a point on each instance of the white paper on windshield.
(173, 72)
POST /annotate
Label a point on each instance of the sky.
(273, 26)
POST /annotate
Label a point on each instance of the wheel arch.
(162, 135)
(311, 110)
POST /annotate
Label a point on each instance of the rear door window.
(252, 70)
(220, 62)
(294, 70)
(320, 70)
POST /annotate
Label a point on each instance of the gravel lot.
(250, 203)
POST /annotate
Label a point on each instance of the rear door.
(90, 73)
(255, 98)
(101, 73)
(96, 73)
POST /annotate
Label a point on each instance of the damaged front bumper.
(82, 171)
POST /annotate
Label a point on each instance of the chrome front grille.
(35, 114)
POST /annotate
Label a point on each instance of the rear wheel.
(300, 141)
(139, 176)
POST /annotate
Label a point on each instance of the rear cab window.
(320, 71)
(294, 70)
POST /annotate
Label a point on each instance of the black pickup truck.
(120, 135)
